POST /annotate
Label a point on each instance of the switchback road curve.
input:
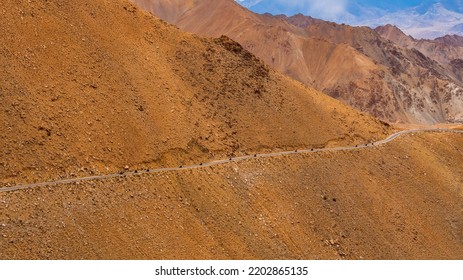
(224, 161)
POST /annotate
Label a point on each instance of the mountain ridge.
(85, 99)
(376, 75)
(421, 19)
(95, 87)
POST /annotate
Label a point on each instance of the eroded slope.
(95, 86)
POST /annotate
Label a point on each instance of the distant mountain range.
(383, 72)
(421, 19)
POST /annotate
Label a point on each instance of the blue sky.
(343, 7)
(421, 19)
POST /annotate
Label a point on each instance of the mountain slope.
(79, 97)
(352, 64)
(400, 201)
(90, 86)
(424, 21)
(442, 49)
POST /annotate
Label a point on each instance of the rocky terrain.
(81, 98)
(100, 87)
(399, 201)
(443, 49)
(353, 64)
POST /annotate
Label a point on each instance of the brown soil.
(398, 201)
(94, 86)
(90, 87)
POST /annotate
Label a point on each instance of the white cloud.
(334, 10)
(324, 9)
(328, 8)
(249, 3)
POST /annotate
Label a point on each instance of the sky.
(325, 9)
(421, 19)
(346, 6)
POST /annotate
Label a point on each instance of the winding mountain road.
(224, 161)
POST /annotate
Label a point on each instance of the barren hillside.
(443, 49)
(98, 86)
(93, 87)
(399, 201)
(354, 65)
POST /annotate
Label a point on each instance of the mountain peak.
(303, 21)
(392, 33)
(354, 64)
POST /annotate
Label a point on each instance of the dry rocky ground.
(398, 201)
(93, 86)
(89, 87)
